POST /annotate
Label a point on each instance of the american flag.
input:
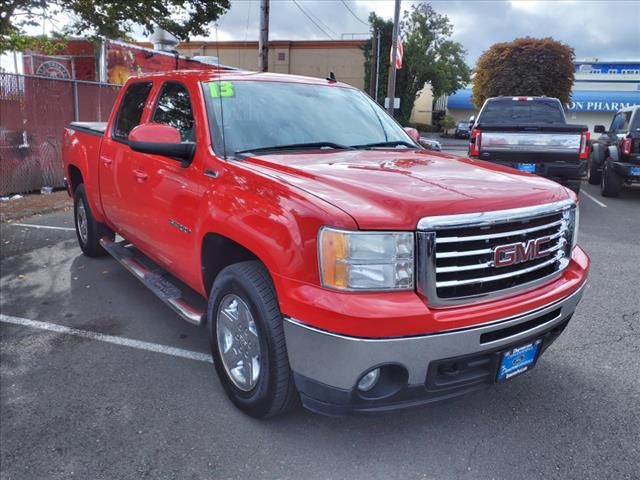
(399, 54)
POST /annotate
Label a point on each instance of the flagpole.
(391, 85)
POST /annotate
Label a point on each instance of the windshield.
(514, 112)
(261, 115)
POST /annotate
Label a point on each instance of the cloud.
(602, 29)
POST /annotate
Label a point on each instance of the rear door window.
(174, 109)
(131, 108)
(521, 112)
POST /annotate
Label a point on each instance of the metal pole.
(391, 85)
(263, 41)
(377, 65)
(374, 64)
(76, 107)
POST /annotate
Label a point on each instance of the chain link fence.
(33, 114)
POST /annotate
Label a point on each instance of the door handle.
(140, 175)
(107, 161)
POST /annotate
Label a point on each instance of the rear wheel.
(594, 175)
(611, 182)
(247, 341)
(88, 231)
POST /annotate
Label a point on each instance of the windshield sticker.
(221, 89)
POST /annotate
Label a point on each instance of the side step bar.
(163, 288)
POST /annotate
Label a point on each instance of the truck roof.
(213, 75)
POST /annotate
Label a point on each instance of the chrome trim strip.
(495, 216)
(468, 253)
(499, 234)
(468, 281)
(339, 360)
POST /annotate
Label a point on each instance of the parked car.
(430, 144)
(333, 260)
(531, 134)
(462, 130)
(615, 155)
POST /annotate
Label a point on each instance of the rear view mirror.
(413, 133)
(599, 129)
(160, 139)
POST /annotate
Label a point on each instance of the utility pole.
(263, 42)
(374, 65)
(377, 64)
(391, 85)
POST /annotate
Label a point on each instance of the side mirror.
(599, 129)
(160, 139)
(413, 133)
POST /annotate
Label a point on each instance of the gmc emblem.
(514, 253)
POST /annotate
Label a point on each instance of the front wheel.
(88, 231)
(247, 341)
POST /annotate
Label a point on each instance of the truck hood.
(391, 189)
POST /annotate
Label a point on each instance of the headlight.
(366, 260)
(572, 218)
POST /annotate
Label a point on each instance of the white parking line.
(50, 227)
(122, 341)
(588, 195)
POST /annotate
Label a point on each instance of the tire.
(88, 231)
(611, 182)
(594, 176)
(273, 392)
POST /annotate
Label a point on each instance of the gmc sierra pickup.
(334, 261)
(531, 134)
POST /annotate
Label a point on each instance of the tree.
(429, 56)
(448, 122)
(525, 66)
(108, 18)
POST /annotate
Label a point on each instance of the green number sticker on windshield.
(221, 89)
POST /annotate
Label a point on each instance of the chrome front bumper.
(338, 361)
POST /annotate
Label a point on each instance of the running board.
(154, 280)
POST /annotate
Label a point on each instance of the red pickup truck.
(334, 261)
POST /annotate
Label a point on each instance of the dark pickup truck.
(615, 154)
(531, 134)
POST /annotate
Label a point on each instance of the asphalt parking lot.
(112, 385)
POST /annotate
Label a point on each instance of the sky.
(595, 29)
(606, 30)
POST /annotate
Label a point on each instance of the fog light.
(369, 381)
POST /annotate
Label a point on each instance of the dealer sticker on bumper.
(518, 360)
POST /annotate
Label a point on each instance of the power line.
(354, 15)
(246, 28)
(312, 20)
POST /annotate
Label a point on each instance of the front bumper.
(420, 369)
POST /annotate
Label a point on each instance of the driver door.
(171, 194)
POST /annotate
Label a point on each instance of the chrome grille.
(457, 253)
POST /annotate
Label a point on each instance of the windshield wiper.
(392, 143)
(297, 146)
